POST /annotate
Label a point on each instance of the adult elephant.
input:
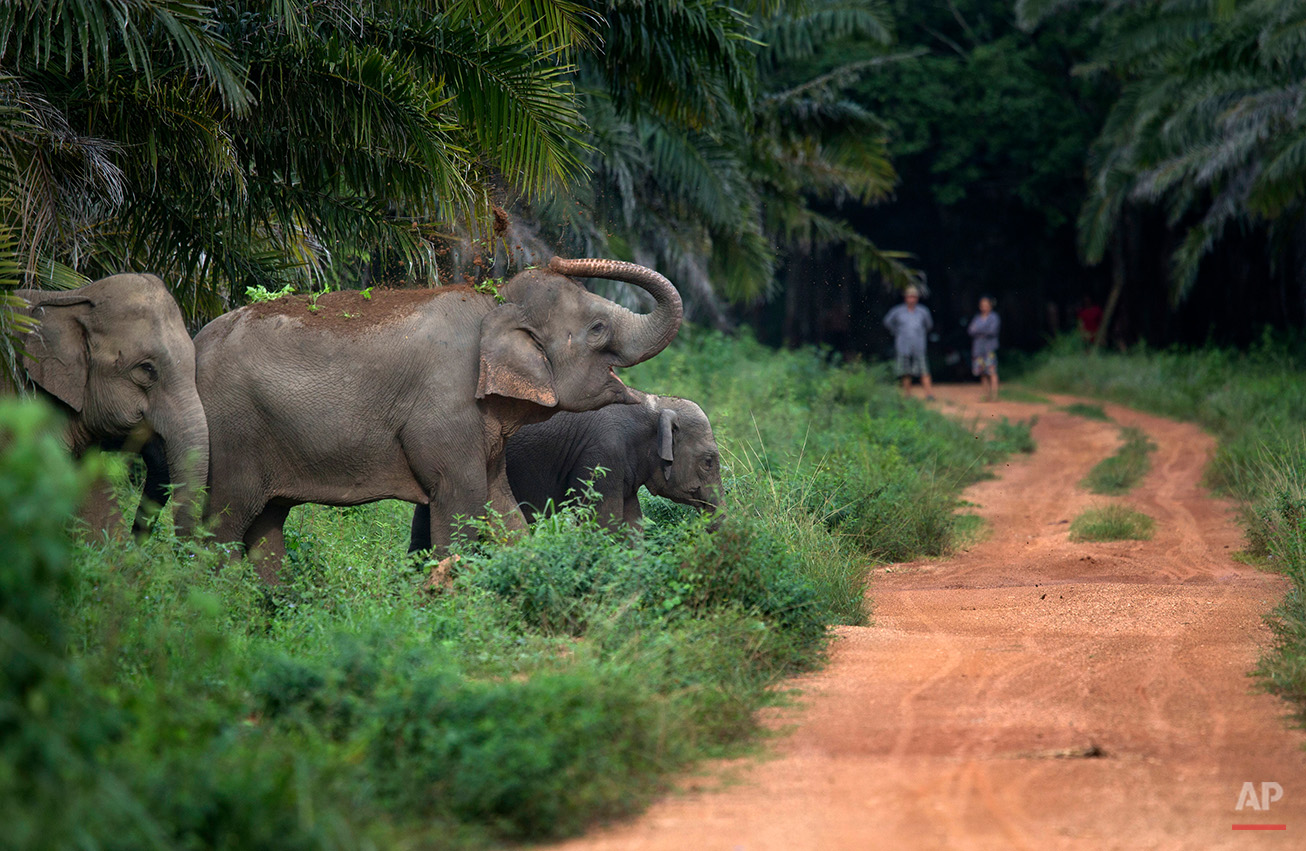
(664, 444)
(116, 357)
(408, 394)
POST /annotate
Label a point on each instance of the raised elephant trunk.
(642, 336)
(185, 435)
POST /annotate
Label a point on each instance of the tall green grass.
(1255, 403)
(152, 697)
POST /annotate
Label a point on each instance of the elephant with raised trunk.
(408, 394)
(116, 357)
(664, 444)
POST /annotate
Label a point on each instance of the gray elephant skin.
(665, 444)
(408, 394)
(117, 359)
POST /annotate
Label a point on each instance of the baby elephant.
(664, 443)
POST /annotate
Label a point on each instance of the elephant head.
(116, 354)
(553, 343)
(691, 465)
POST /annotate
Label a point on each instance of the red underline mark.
(1260, 827)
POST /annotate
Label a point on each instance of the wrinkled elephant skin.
(664, 443)
(408, 394)
(116, 357)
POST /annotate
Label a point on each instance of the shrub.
(1113, 522)
(171, 699)
(1120, 472)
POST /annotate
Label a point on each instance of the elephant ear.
(512, 362)
(666, 431)
(56, 354)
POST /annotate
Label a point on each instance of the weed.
(1120, 472)
(1112, 522)
(490, 286)
(1014, 393)
(1005, 437)
(1087, 411)
(259, 293)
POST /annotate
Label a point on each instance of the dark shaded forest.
(992, 128)
(792, 166)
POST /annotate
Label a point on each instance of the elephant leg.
(101, 512)
(265, 541)
(419, 533)
(236, 498)
(502, 500)
(634, 515)
(455, 502)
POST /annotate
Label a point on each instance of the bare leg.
(928, 385)
(993, 384)
(906, 385)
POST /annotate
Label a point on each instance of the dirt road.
(1030, 692)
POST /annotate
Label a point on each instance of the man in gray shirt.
(910, 324)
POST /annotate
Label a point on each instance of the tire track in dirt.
(1029, 692)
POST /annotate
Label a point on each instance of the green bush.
(1113, 522)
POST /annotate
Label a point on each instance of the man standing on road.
(910, 324)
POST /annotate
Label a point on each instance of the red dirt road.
(1030, 692)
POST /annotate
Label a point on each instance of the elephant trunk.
(185, 435)
(641, 336)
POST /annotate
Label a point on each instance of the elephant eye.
(147, 372)
(598, 332)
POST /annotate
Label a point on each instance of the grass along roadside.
(1111, 522)
(1255, 403)
(159, 701)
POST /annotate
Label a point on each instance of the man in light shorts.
(910, 324)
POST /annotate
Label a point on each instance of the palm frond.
(62, 34)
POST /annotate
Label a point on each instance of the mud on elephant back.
(408, 394)
(116, 358)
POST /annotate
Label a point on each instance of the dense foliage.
(1209, 122)
(151, 699)
(251, 142)
(265, 142)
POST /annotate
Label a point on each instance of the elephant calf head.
(115, 353)
(690, 471)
